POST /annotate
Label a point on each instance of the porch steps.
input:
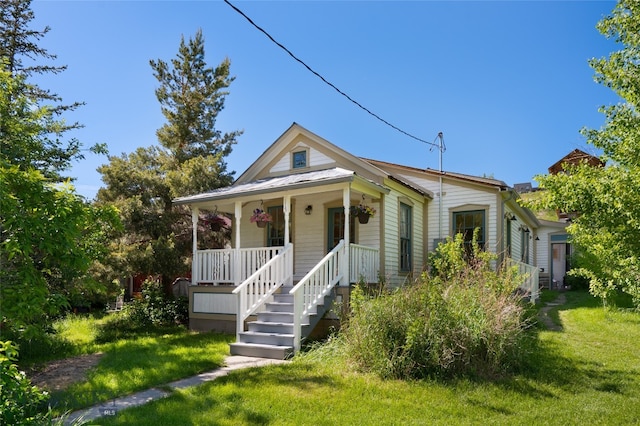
(271, 335)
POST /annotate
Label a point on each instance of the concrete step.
(260, 350)
(266, 338)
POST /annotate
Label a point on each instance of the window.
(405, 238)
(275, 228)
(465, 223)
(336, 227)
(299, 159)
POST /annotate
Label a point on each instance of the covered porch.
(312, 249)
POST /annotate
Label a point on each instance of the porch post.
(194, 259)
(236, 253)
(346, 200)
(287, 212)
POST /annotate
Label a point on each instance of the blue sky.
(507, 82)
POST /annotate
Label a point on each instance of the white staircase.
(272, 334)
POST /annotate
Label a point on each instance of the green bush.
(21, 403)
(153, 310)
(463, 319)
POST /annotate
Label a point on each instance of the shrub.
(153, 310)
(21, 403)
(463, 319)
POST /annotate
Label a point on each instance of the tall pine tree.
(190, 159)
(21, 57)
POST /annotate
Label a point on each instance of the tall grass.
(463, 319)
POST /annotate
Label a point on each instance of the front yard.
(587, 373)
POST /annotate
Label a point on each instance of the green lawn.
(129, 363)
(587, 374)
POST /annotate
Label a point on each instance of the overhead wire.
(358, 104)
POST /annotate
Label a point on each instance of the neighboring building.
(279, 280)
(574, 157)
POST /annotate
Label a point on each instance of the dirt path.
(544, 312)
(59, 374)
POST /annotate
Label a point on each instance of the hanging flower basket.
(217, 222)
(260, 218)
(363, 218)
(364, 212)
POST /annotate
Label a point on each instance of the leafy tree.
(606, 200)
(190, 159)
(48, 234)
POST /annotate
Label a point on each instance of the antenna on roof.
(442, 148)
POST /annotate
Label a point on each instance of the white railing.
(260, 286)
(314, 287)
(231, 266)
(531, 284)
(364, 264)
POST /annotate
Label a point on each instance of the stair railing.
(531, 284)
(256, 290)
(314, 287)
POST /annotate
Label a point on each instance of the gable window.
(299, 159)
(466, 222)
(406, 232)
(275, 228)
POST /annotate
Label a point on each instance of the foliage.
(466, 319)
(605, 199)
(21, 403)
(153, 309)
(190, 159)
(49, 239)
(31, 123)
(49, 235)
(260, 215)
(364, 209)
(586, 374)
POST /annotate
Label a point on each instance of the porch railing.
(259, 286)
(231, 266)
(531, 284)
(314, 287)
(364, 264)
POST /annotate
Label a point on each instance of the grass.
(152, 358)
(589, 373)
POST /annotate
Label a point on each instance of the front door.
(336, 227)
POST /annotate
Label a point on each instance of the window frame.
(467, 240)
(304, 151)
(405, 237)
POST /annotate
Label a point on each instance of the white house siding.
(392, 238)
(309, 232)
(454, 199)
(316, 159)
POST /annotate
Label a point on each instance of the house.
(277, 280)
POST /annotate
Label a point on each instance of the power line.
(358, 104)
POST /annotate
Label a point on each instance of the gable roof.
(574, 157)
(436, 173)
